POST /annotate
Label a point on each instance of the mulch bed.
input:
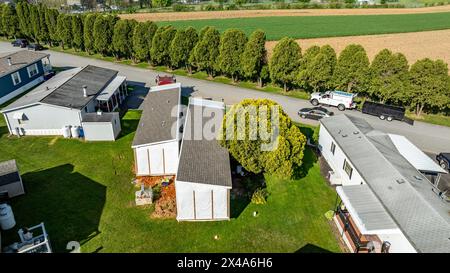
(165, 204)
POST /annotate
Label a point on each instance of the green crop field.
(326, 26)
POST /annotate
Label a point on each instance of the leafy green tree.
(51, 20)
(77, 32)
(430, 85)
(88, 33)
(285, 61)
(2, 31)
(254, 56)
(43, 31)
(320, 69)
(302, 77)
(121, 43)
(160, 50)
(142, 40)
(351, 73)
(275, 152)
(205, 53)
(64, 26)
(112, 20)
(181, 47)
(10, 21)
(23, 17)
(35, 23)
(100, 33)
(389, 77)
(161, 3)
(231, 47)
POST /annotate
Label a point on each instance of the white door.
(203, 204)
(142, 161)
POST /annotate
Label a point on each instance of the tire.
(382, 117)
(443, 165)
(341, 107)
(303, 116)
(389, 118)
(315, 102)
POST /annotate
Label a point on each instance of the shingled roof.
(203, 160)
(158, 116)
(19, 60)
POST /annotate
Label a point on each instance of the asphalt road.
(430, 138)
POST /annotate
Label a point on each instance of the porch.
(361, 218)
(113, 95)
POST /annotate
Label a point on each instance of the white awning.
(111, 88)
(19, 115)
(415, 156)
(366, 210)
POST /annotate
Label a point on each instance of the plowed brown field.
(195, 15)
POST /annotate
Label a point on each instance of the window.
(32, 70)
(348, 169)
(333, 147)
(16, 78)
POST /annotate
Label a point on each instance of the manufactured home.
(65, 100)
(21, 71)
(203, 180)
(389, 199)
(157, 139)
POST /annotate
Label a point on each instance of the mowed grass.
(325, 26)
(83, 192)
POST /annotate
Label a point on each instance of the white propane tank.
(7, 220)
(66, 132)
(75, 131)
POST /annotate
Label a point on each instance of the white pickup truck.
(342, 100)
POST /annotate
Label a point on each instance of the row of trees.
(423, 86)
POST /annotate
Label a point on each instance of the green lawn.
(83, 192)
(326, 26)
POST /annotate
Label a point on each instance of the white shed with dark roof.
(157, 138)
(203, 180)
(10, 180)
(101, 126)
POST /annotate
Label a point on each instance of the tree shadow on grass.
(69, 204)
(310, 248)
(309, 158)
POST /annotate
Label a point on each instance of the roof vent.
(9, 61)
(418, 177)
(85, 91)
(163, 123)
(47, 88)
(400, 181)
(168, 101)
(344, 135)
(355, 132)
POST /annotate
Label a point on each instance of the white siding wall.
(156, 153)
(336, 161)
(43, 119)
(211, 202)
(102, 131)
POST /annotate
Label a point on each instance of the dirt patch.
(415, 45)
(198, 15)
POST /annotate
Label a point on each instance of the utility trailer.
(385, 111)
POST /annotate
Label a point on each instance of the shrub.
(181, 7)
(259, 197)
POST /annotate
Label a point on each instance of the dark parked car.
(383, 111)
(315, 113)
(35, 47)
(444, 160)
(20, 43)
